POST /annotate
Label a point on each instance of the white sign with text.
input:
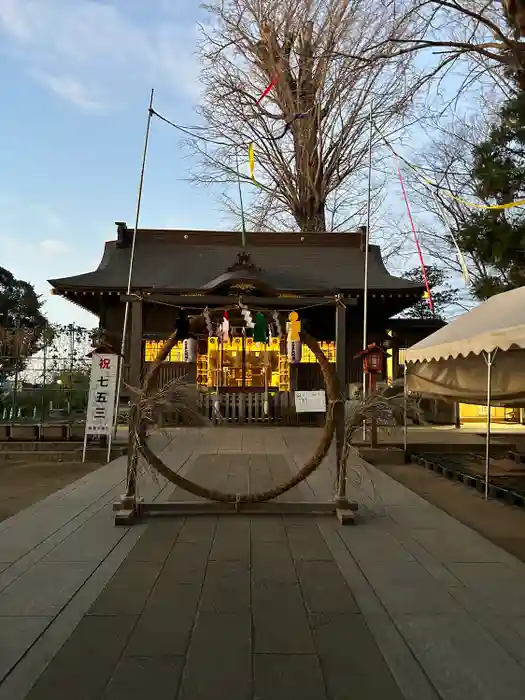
(102, 387)
(310, 401)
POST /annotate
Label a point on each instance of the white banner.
(310, 401)
(102, 387)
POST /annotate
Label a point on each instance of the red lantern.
(372, 359)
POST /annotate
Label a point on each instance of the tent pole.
(489, 359)
(405, 408)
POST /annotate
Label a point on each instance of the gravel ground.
(23, 483)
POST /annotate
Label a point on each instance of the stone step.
(37, 446)
(41, 431)
(93, 454)
(44, 434)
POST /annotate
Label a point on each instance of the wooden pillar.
(135, 345)
(340, 365)
(344, 509)
(395, 356)
(134, 380)
(373, 430)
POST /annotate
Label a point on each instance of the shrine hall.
(213, 273)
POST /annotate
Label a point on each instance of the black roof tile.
(183, 261)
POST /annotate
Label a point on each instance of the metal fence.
(44, 373)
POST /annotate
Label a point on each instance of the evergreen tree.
(494, 239)
(443, 295)
(21, 323)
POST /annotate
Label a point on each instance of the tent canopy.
(497, 323)
(452, 363)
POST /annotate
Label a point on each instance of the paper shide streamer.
(276, 320)
(225, 328)
(247, 316)
(207, 320)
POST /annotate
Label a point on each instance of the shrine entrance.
(130, 508)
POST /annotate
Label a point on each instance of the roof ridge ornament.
(244, 262)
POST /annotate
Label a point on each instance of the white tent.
(477, 358)
(452, 363)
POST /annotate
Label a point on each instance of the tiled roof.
(189, 260)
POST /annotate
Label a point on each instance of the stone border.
(476, 482)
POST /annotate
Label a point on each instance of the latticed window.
(327, 347)
(152, 349)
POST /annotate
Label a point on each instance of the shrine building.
(273, 272)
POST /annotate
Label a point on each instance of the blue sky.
(75, 78)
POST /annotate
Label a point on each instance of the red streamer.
(416, 239)
(270, 86)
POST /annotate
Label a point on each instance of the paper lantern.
(294, 351)
(294, 326)
(189, 350)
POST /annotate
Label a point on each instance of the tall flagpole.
(131, 261)
(367, 245)
(243, 221)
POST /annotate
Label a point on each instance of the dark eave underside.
(382, 305)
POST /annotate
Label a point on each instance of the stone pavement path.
(55, 558)
(409, 604)
(231, 607)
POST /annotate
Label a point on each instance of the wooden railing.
(249, 407)
(237, 406)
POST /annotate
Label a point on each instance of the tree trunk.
(520, 79)
(313, 220)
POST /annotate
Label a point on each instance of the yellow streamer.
(446, 192)
(461, 257)
(251, 162)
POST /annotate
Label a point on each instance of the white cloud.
(51, 220)
(12, 245)
(51, 245)
(72, 90)
(103, 49)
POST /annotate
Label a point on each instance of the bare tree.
(311, 130)
(486, 33)
(448, 162)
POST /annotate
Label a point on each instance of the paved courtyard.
(408, 604)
